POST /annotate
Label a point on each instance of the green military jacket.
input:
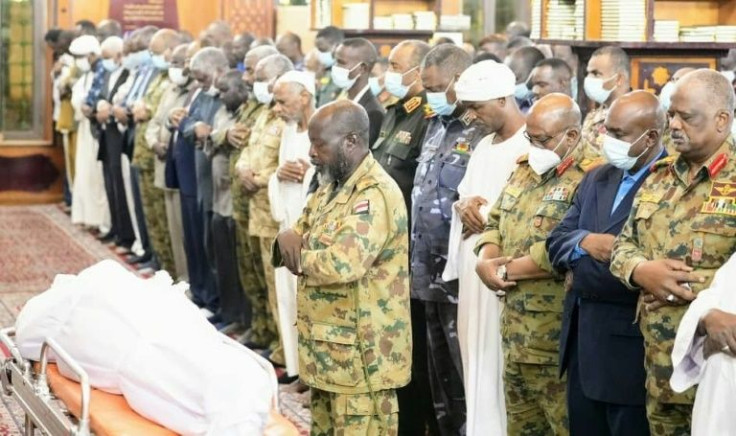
(673, 218)
(400, 141)
(327, 91)
(262, 156)
(590, 151)
(529, 208)
(143, 154)
(353, 313)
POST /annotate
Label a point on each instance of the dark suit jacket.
(610, 344)
(111, 129)
(375, 114)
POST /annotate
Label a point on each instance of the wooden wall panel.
(255, 16)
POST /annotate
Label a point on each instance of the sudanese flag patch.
(362, 207)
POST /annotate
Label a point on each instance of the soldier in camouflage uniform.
(609, 73)
(326, 42)
(451, 137)
(154, 204)
(512, 258)
(350, 249)
(255, 166)
(682, 228)
(262, 329)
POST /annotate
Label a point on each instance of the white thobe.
(178, 371)
(716, 376)
(479, 310)
(89, 199)
(287, 202)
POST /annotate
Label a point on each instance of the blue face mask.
(522, 92)
(144, 57)
(395, 83)
(439, 104)
(240, 67)
(159, 62)
(325, 58)
(109, 65)
(375, 85)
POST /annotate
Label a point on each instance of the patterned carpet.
(38, 242)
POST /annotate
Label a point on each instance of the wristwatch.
(501, 273)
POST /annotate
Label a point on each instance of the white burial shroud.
(145, 340)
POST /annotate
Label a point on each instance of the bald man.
(680, 231)
(350, 249)
(601, 350)
(290, 45)
(402, 132)
(162, 47)
(522, 62)
(512, 260)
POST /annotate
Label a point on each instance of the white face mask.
(83, 64)
(341, 77)
(109, 65)
(325, 58)
(543, 159)
(595, 91)
(617, 152)
(260, 90)
(176, 75)
(665, 95)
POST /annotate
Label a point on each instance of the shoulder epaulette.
(412, 104)
(428, 112)
(588, 165)
(664, 162)
(523, 158)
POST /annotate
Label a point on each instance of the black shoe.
(146, 257)
(285, 379)
(106, 238)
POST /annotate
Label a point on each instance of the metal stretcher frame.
(31, 391)
(48, 414)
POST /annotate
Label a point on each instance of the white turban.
(304, 78)
(485, 81)
(85, 45)
(112, 44)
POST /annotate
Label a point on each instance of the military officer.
(350, 249)
(512, 258)
(250, 266)
(451, 138)
(681, 229)
(405, 123)
(258, 161)
(326, 42)
(609, 73)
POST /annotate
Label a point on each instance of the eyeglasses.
(541, 142)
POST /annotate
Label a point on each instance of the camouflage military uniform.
(447, 147)
(519, 223)
(250, 266)
(675, 219)
(353, 303)
(400, 141)
(153, 199)
(590, 151)
(262, 156)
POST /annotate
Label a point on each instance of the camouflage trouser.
(154, 213)
(250, 270)
(277, 350)
(344, 414)
(669, 419)
(535, 400)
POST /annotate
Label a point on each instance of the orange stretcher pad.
(109, 414)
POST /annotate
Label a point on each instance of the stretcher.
(56, 405)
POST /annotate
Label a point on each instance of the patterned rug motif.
(39, 242)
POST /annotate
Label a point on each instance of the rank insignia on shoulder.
(559, 193)
(428, 112)
(523, 158)
(467, 118)
(717, 165)
(588, 165)
(403, 137)
(412, 104)
(650, 197)
(664, 162)
(567, 163)
(362, 207)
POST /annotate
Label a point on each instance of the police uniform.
(400, 141)
(529, 208)
(262, 157)
(695, 222)
(153, 199)
(250, 266)
(353, 303)
(447, 147)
